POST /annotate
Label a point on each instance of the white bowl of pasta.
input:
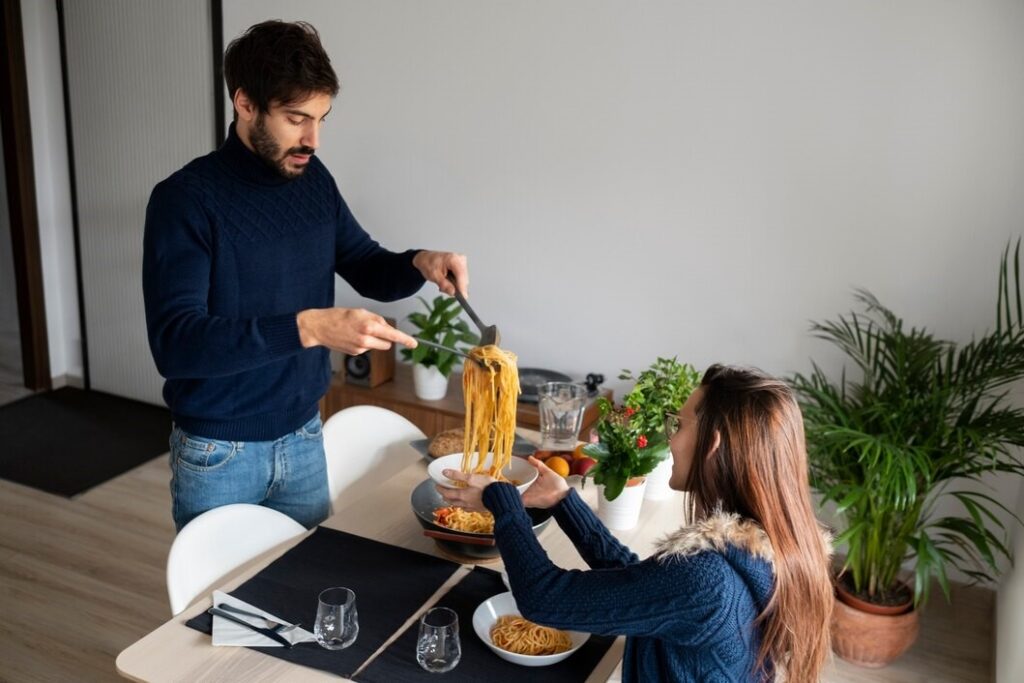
(497, 620)
(519, 471)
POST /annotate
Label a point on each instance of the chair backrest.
(218, 541)
(366, 444)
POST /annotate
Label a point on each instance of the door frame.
(21, 200)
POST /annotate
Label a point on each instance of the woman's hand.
(469, 497)
(547, 490)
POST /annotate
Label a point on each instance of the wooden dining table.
(378, 508)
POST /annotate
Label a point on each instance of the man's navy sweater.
(688, 612)
(232, 252)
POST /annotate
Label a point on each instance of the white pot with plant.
(623, 463)
(440, 324)
(660, 390)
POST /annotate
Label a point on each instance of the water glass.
(561, 407)
(337, 622)
(438, 648)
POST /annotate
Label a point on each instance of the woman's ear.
(715, 444)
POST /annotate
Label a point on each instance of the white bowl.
(518, 470)
(486, 615)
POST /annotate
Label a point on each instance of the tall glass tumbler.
(561, 407)
(438, 648)
(337, 622)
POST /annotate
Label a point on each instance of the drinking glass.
(438, 648)
(561, 407)
(337, 622)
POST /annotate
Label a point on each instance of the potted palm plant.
(660, 389)
(440, 324)
(923, 419)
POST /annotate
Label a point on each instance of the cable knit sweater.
(687, 611)
(232, 252)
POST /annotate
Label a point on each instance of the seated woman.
(743, 594)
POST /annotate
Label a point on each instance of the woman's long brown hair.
(759, 470)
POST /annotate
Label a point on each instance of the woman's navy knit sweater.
(687, 612)
(233, 251)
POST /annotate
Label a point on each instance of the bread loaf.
(446, 442)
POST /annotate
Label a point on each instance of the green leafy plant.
(441, 324)
(632, 436)
(661, 388)
(623, 451)
(926, 416)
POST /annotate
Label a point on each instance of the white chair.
(368, 445)
(219, 541)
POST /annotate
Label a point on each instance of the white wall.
(53, 186)
(1010, 613)
(700, 179)
(632, 180)
(140, 83)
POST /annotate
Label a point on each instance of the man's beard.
(269, 151)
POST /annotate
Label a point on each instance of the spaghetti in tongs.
(491, 392)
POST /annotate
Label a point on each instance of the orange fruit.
(558, 465)
(578, 452)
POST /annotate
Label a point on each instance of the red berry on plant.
(641, 441)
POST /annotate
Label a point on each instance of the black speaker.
(370, 368)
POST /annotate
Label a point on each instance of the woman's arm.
(681, 600)
(596, 545)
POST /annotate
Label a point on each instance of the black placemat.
(69, 440)
(397, 663)
(390, 583)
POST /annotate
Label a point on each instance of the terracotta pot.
(871, 640)
(844, 594)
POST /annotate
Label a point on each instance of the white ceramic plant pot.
(428, 383)
(623, 512)
(657, 480)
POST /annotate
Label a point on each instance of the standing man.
(240, 251)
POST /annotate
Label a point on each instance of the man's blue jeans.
(288, 474)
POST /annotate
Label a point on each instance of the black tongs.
(488, 333)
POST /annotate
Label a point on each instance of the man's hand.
(349, 330)
(435, 266)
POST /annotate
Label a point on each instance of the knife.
(269, 633)
(276, 625)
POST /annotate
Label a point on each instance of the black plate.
(530, 380)
(425, 499)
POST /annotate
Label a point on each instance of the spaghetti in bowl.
(486, 619)
(519, 470)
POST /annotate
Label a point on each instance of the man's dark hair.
(277, 61)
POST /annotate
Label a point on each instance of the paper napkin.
(227, 632)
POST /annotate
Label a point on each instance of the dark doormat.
(68, 440)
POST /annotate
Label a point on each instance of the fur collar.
(715, 533)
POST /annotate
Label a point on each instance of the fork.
(277, 626)
(449, 349)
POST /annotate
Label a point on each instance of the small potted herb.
(660, 389)
(623, 462)
(440, 324)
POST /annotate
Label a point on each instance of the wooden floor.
(82, 579)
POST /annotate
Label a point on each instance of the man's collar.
(245, 164)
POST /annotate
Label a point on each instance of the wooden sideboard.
(430, 416)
